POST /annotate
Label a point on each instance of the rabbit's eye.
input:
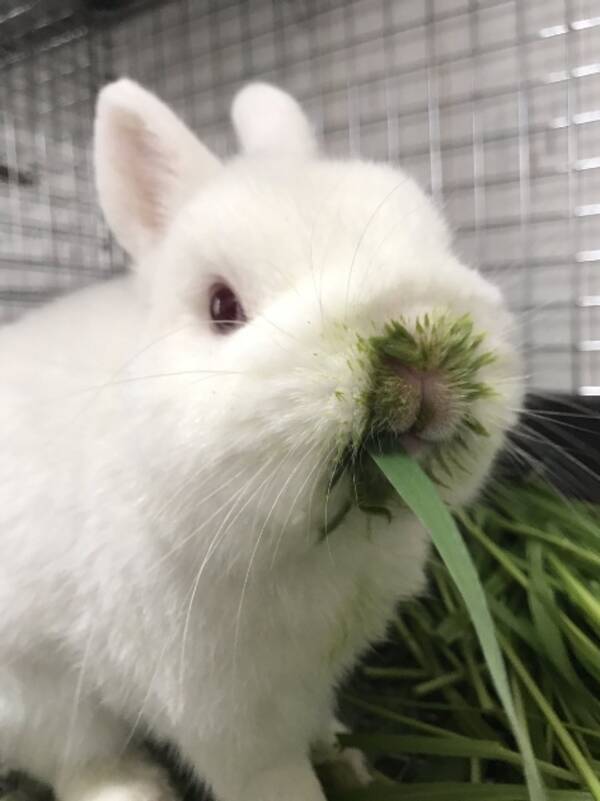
(226, 310)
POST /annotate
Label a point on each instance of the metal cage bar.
(493, 104)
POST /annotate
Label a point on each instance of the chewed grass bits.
(435, 345)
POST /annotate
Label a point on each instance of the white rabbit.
(168, 444)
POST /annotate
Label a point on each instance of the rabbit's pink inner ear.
(148, 164)
(268, 121)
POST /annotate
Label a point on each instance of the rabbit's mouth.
(356, 481)
(423, 387)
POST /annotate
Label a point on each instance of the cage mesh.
(493, 105)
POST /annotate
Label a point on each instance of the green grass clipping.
(421, 496)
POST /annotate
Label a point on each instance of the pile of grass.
(431, 719)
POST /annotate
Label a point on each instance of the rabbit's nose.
(424, 409)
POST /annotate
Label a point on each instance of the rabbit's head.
(300, 310)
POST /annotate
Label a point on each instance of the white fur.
(162, 486)
(269, 121)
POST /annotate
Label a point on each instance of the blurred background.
(494, 105)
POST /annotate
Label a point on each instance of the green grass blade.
(417, 491)
(508, 562)
(406, 720)
(391, 673)
(587, 650)
(577, 591)
(584, 555)
(541, 601)
(451, 746)
(577, 759)
(450, 791)
(517, 625)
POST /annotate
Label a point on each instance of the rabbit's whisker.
(365, 230)
(216, 540)
(282, 489)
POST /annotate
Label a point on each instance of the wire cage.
(493, 105)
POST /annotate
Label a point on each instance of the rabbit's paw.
(346, 769)
(342, 768)
(128, 780)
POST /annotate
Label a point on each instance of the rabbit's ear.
(268, 121)
(147, 162)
